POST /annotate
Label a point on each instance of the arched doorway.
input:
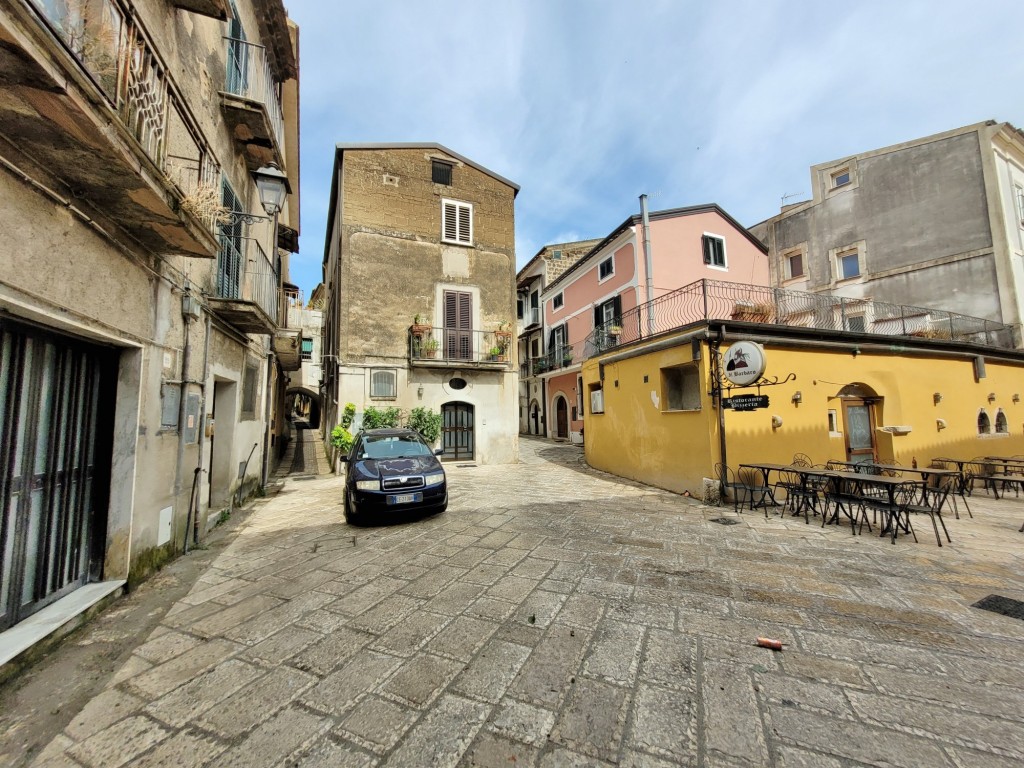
(859, 418)
(457, 431)
(561, 418)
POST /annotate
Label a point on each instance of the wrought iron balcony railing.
(713, 300)
(245, 274)
(250, 77)
(118, 56)
(449, 345)
(560, 357)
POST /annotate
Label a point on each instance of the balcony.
(560, 357)
(251, 104)
(288, 348)
(88, 100)
(707, 300)
(215, 9)
(246, 293)
(449, 348)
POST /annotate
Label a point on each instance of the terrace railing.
(250, 76)
(707, 300)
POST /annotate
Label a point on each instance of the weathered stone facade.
(386, 262)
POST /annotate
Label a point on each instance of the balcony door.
(458, 325)
(229, 258)
(238, 56)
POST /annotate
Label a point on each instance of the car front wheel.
(350, 515)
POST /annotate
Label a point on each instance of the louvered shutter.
(706, 243)
(458, 325)
(450, 225)
(465, 224)
(598, 320)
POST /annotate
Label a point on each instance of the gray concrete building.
(419, 269)
(933, 222)
(144, 335)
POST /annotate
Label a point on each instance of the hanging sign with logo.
(743, 364)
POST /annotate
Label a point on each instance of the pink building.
(686, 245)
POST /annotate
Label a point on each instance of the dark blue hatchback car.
(393, 470)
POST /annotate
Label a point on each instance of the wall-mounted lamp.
(991, 397)
(937, 398)
(855, 351)
(776, 422)
(940, 424)
(1016, 398)
(798, 397)
(419, 391)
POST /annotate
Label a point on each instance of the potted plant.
(615, 331)
(566, 356)
(420, 328)
(430, 346)
(498, 354)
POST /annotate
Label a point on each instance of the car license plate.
(405, 498)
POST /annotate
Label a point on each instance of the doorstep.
(38, 626)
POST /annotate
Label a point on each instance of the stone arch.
(312, 397)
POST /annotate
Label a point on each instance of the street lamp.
(272, 185)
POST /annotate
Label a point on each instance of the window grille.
(384, 383)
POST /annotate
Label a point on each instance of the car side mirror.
(343, 458)
(438, 451)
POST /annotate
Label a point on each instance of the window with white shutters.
(456, 222)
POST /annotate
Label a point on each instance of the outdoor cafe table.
(765, 469)
(925, 473)
(860, 479)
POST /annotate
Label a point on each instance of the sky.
(587, 104)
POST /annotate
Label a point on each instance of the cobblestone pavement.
(556, 616)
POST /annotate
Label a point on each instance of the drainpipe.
(713, 346)
(648, 264)
(202, 423)
(186, 360)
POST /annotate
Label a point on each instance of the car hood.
(414, 465)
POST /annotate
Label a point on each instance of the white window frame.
(392, 394)
(841, 275)
(557, 301)
(724, 266)
(463, 232)
(835, 175)
(1018, 192)
(600, 265)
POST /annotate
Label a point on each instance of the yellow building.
(653, 410)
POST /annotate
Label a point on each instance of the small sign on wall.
(163, 533)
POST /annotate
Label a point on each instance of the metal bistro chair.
(802, 460)
(791, 483)
(811, 495)
(733, 484)
(898, 518)
(934, 499)
(957, 487)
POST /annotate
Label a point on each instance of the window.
(1018, 191)
(559, 338)
(250, 387)
(794, 265)
(456, 222)
(383, 382)
(556, 255)
(229, 257)
(1002, 427)
(441, 172)
(557, 302)
(535, 348)
(714, 250)
(519, 308)
(856, 323)
(848, 263)
(840, 178)
(606, 268)
(458, 325)
(984, 425)
(680, 388)
(833, 421)
(306, 353)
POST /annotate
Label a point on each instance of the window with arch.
(384, 383)
(1002, 427)
(984, 424)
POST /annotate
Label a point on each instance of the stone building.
(419, 265)
(144, 336)
(544, 268)
(933, 222)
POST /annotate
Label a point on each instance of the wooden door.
(859, 430)
(561, 419)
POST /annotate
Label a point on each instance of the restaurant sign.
(744, 363)
(745, 402)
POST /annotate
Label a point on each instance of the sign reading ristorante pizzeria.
(743, 363)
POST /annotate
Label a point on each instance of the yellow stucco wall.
(634, 438)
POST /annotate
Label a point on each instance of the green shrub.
(426, 422)
(341, 438)
(348, 415)
(377, 418)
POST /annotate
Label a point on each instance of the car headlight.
(434, 479)
(368, 485)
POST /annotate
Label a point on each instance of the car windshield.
(393, 447)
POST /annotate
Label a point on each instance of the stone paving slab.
(558, 616)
